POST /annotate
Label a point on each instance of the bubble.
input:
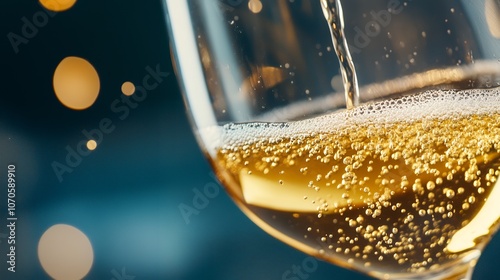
(57, 5)
(76, 83)
(449, 193)
(65, 252)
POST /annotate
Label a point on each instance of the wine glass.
(364, 133)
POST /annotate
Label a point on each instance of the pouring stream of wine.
(332, 9)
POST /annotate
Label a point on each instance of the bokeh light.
(76, 83)
(65, 252)
(492, 10)
(57, 5)
(255, 6)
(128, 88)
(91, 145)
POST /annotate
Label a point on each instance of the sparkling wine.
(389, 188)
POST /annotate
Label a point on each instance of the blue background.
(124, 196)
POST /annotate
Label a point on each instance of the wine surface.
(390, 188)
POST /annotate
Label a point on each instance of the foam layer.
(427, 105)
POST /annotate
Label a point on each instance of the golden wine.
(389, 188)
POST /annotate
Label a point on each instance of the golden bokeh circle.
(91, 145)
(255, 6)
(76, 83)
(57, 5)
(128, 88)
(65, 252)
